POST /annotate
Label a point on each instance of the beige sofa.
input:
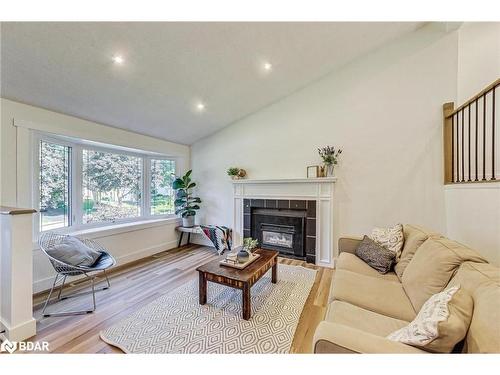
(365, 306)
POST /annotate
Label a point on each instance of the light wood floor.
(138, 283)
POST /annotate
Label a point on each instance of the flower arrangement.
(329, 155)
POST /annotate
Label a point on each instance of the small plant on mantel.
(330, 157)
(236, 173)
(233, 172)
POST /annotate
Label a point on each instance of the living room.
(240, 187)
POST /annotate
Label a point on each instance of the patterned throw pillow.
(391, 238)
(374, 255)
(442, 322)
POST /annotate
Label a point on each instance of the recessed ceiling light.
(200, 107)
(267, 66)
(117, 59)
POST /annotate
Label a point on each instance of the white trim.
(288, 181)
(474, 185)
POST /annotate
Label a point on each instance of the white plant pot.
(188, 221)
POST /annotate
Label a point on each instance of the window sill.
(111, 230)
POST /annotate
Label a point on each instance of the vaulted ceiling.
(168, 69)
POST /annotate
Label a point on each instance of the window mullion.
(76, 184)
(146, 187)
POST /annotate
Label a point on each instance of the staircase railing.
(469, 138)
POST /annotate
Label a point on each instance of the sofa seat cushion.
(351, 262)
(368, 321)
(375, 294)
(414, 237)
(432, 267)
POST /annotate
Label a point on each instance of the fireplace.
(282, 230)
(288, 226)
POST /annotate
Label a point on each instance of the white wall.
(126, 244)
(473, 211)
(384, 109)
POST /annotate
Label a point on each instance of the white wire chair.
(49, 240)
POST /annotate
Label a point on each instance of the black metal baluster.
(458, 148)
(484, 137)
(468, 140)
(463, 143)
(493, 136)
(476, 141)
(453, 148)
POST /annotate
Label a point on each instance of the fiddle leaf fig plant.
(185, 204)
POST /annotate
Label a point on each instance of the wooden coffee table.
(239, 279)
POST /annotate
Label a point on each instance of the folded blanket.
(219, 235)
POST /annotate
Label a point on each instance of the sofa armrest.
(338, 338)
(348, 244)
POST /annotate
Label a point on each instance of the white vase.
(330, 170)
(188, 221)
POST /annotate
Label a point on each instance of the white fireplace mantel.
(319, 189)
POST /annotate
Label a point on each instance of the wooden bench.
(196, 230)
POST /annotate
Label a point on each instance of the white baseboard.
(21, 331)
(41, 285)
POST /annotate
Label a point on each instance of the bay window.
(81, 185)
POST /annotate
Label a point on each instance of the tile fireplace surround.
(319, 243)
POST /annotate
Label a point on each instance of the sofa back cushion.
(432, 267)
(482, 281)
(414, 237)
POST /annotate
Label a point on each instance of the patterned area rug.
(177, 323)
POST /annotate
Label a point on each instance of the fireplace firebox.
(282, 230)
(288, 226)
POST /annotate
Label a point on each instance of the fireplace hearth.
(287, 226)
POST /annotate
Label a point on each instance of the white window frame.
(76, 183)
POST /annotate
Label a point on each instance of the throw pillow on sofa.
(442, 322)
(391, 238)
(376, 256)
(73, 251)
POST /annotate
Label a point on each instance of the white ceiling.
(67, 67)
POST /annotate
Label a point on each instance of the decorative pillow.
(391, 238)
(376, 256)
(442, 322)
(73, 251)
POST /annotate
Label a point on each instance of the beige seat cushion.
(414, 237)
(375, 294)
(353, 316)
(351, 262)
(482, 280)
(432, 267)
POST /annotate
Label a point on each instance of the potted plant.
(330, 158)
(236, 173)
(248, 245)
(233, 172)
(185, 204)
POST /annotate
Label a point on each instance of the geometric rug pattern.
(177, 323)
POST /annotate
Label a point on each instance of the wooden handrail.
(484, 91)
